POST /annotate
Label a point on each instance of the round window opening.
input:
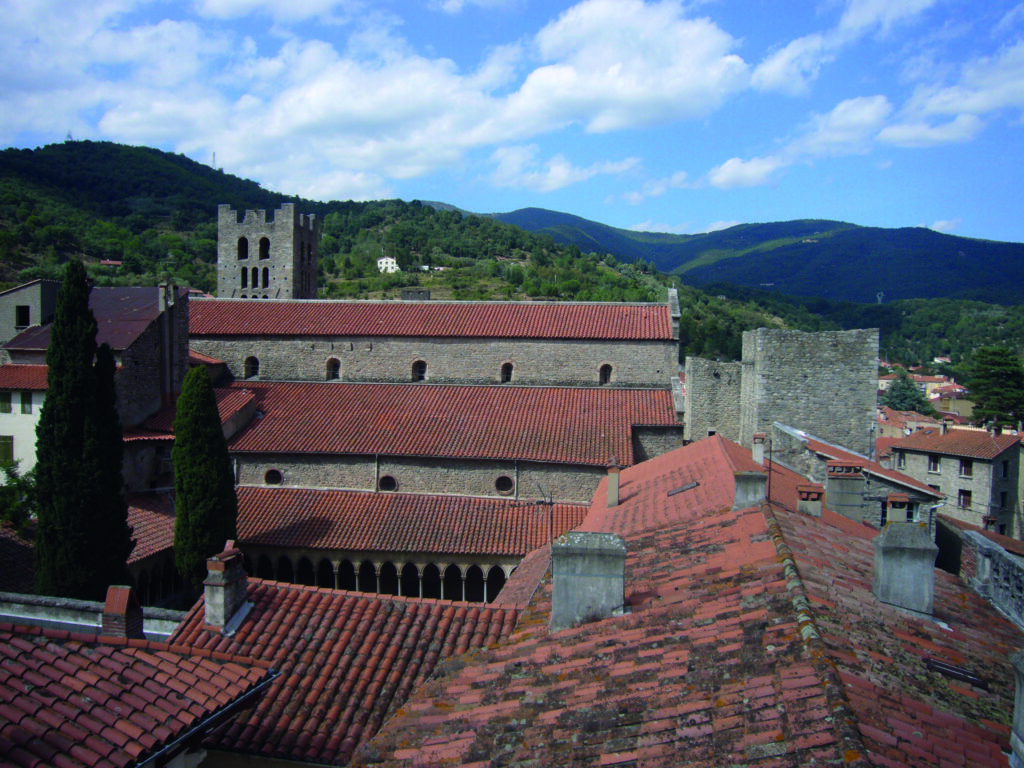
(273, 477)
(504, 485)
(387, 483)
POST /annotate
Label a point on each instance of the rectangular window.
(934, 463)
(966, 468)
(901, 460)
(934, 487)
(22, 316)
(1006, 468)
(963, 499)
(6, 449)
(1002, 499)
(5, 402)
(26, 402)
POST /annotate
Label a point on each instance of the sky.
(668, 116)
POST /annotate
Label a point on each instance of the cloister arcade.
(469, 582)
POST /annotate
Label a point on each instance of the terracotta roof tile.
(971, 443)
(577, 426)
(151, 517)
(42, 723)
(29, 377)
(346, 660)
(837, 453)
(436, 319)
(396, 522)
(229, 403)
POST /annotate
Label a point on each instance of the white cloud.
(945, 225)
(735, 172)
(456, 6)
(280, 12)
(790, 69)
(921, 134)
(656, 188)
(985, 85)
(519, 167)
(862, 16)
(847, 129)
(614, 64)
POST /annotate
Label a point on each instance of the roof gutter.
(183, 742)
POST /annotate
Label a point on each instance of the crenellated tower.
(267, 258)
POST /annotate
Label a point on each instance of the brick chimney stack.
(122, 614)
(225, 590)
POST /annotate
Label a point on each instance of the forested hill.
(827, 259)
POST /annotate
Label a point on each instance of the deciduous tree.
(206, 507)
(904, 395)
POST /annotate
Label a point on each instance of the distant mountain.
(827, 259)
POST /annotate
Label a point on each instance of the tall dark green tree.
(83, 539)
(904, 395)
(997, 387)
(206, 508)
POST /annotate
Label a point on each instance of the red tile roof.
(68, 700)
(709, 668)
(122, 314)
(347, 660)
(754, 638)
(151, 516)
(229, 403)
(29, 377)
(836, 453)
(397, 522)
(198, 358)
(970, 443)
(539, 320)
(552, 424)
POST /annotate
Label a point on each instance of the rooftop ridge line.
(844, 721)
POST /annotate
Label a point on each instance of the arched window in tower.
(506, 371)
(245, 277)
(252, 367)
(333, 369)
(264, 248)
(266, 277)
(243, 248)
(604, 375)
(419, 371)
(255, 277)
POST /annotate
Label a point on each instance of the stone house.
(979, 473)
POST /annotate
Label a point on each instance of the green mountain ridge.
(834, 260)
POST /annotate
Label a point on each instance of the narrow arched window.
(333, 369)
(506, 373)
(243, 248)
(255, 277)
(419, 371)
(245, 277)
(266, 277)
(604, 374)
(252, 367)
(264, 248)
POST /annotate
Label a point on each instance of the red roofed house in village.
(979, 472)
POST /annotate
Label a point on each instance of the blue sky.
(669, 116)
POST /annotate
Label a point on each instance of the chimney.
(613, 484)
(809, 496)
(896, 506)
(588, 572)
(844, 486)
(225, 590)
(757, 451)
(749, 489)
(1017, 732)
(122, 614)
(905, 567)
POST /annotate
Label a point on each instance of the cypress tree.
(206, 508)
(82, 518)
(997, 387)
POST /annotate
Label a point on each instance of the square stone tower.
(267, 258)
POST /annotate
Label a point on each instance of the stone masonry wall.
(562, 482)
(824, 383)
(291, 260)
(712, 398)
(450, 361)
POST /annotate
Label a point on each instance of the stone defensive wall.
(712, 398)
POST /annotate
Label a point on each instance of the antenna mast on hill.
(879, 296)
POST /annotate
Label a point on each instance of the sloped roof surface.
(122, 314)
(708, 669)
(31, 377)
(397, 522)
(151, 516)
(537, 320)
(229, 402)
(552, 424)
(70, 700)
(836, 453)
(969, 443)
(346, 661)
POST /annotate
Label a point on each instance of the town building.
(979, 472)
